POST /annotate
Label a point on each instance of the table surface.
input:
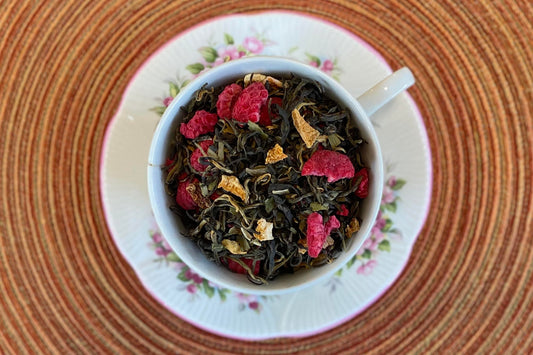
(66, 288)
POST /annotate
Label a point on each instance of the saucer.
(405, 201)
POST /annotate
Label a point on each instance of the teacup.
(360, 109)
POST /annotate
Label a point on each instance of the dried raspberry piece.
(362, 190)
(226, 100)
(202, 122)
(343, 211)
(236, 267)
(317, 232)
(183, 197)
(249, 103)
(264, 118)
(197, 154)
(331, 224)
(169, 162)
(276, 101)
(328, 163)
(214, 196)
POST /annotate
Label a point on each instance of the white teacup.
(360, 110)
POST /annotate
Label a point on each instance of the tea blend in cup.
(267, 175)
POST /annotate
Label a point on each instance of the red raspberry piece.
(183, 197)
(226, 100)
(264, 118)
(343, 211)
(317, 232)
(202, 122)
(362, 190)
(328, 163)
(197, 154)
(169, 162)
(235, 267)
(316, 235)
(249, 103)
(331, 224)
(214, 196)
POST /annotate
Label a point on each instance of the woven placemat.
(65, 287)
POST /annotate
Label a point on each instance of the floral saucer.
(124, 192)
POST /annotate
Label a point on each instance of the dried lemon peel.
(232, 185)
(196, 194)
(233, 247)
(352, 227)
(275, 154)
(256, 77)
(264, 230)
(307, 132)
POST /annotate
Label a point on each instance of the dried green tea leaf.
(334, 140)
(221, 167)
(256, 171)
(270, 204)
(256, 128)
(315, 207)
(243, 243)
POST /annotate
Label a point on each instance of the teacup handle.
(384, 91)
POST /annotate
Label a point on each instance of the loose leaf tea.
(267, 175)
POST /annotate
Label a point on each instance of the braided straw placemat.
(65, 287)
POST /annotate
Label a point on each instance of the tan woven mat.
(468, 286)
